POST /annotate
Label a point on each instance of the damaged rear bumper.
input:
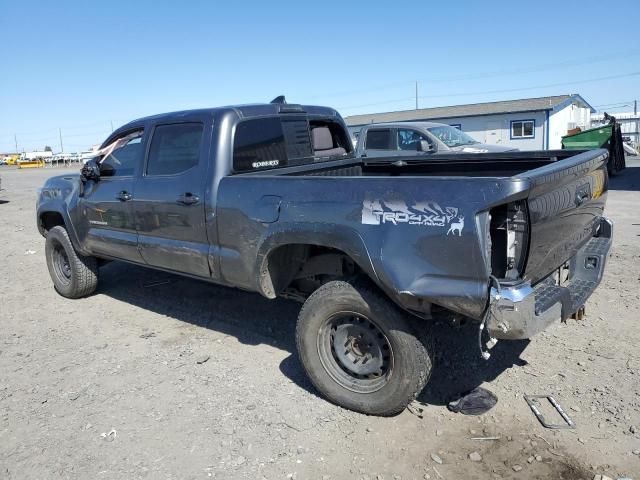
(523, 310)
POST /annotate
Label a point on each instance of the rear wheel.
(360, 350)
(73, 275)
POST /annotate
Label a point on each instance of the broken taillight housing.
(509, 240)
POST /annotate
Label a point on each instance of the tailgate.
(566, 201)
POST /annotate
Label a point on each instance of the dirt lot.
(157, 376)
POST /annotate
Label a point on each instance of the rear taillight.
(509, 240)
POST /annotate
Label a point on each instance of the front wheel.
(360, 351)
(73, 275)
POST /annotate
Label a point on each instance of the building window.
(456, 125)
(523, 129)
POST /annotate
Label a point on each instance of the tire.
(360, 351)
(73, 275)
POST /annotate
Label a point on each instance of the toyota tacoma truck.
(270, 198)
(418, 138)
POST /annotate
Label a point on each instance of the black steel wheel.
(73, 275)
(360, 350)
(61, 265)
(355, 352)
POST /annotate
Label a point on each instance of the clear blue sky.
(79, 65)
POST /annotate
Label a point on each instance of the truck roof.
(243, 111)
(406, 124)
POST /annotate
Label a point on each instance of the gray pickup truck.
(418, 138)
(270, 198)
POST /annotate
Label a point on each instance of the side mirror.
(425, 147)
(90, 171)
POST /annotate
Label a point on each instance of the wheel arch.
(52, 215)
(283, 254)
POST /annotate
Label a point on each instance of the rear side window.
(259, 143)
(297, 140)
(379, 140)
(174, 148)
(288, 140)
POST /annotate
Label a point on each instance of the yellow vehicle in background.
(13, 159)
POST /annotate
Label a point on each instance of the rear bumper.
(523, 310)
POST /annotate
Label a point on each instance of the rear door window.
(379, 139)
(174, 148)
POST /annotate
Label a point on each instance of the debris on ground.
(475, 457)
(476, 402)
(202, 359)
(416, 409)
(534, 401)
(110, 436)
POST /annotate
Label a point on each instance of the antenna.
(279, 100)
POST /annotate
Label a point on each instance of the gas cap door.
(267, 209)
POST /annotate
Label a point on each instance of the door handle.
(124, 196)
(188, 198)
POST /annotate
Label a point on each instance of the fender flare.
(59, 208)
(341, 238)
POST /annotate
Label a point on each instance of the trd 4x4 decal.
(395, 212)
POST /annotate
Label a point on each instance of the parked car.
(418, 138)
(271, 198)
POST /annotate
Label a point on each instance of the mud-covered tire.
(73, 275)
(342, 323)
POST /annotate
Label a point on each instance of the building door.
(493, 133)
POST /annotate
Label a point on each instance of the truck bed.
(563, 195)
(505, 164)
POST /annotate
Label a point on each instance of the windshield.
(451, 136)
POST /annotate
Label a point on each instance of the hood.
(483, 148)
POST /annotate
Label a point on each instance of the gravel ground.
(158, 376)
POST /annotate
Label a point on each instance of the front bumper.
(523, 310)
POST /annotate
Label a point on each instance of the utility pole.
(416, 95)
(635, 108)
(111, 125)
(15, 138)
(61, 147)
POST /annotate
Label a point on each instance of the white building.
(526, 124)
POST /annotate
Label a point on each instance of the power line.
(490, 74)
(625, 103)
(487, 92)
(521, 89)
